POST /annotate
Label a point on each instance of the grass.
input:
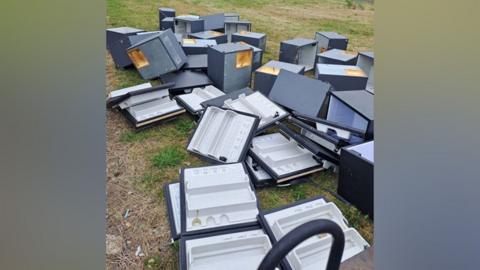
(169, 156)
(155, 155)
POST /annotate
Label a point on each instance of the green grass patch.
(184, 126)
(169, 156)
(133, 136)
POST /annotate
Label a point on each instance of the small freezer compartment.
(230, 66)
(259, 177)
(197, 46)
(257, 104)
(299, 93)
(257, 55)
(219, 37)
(223, 135)
(192, 101)
(157, 55)
(330, 40)
(337, 57)
(355, 179)
(186, 24)
(350, 108)
(342, 77)
(184, 81)
(299, 51)
(235, 250)
(117, 43)
(313, 252)
(171, 192)
(235, 27)
(366, 63)
(151, 112)
(265, 75)
(283, 158)
(216, 198)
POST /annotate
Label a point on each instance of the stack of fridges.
(260, 125)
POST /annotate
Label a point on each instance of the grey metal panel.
(338, 57)
(220, 38)
(330, 40)
(288, 53)
(258, 40)
(185, 80)
(196, 61)
(263, 82)
(216, 63)
(188, 24)
(200, 46)
(168, 23)
(214, 21)
(340, 79)
(163, 13)
(299, 51)
(360, 100)
(236, 26)
(235, 78)
(232, 16)
(299, 93)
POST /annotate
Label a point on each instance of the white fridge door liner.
(174, 191)
(282, 155)
(143, 98)
(259, 105)
(218, 196)
(222, 134)
(260, 173)
(233, 251)
(313, 252)
(199, 95)
(152, 109)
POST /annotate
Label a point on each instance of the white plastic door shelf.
(217, 196)
(199, 95)
(143, 98)
(233, 251)
(173, 202)
(313, 252)
(259, 105)
(223, 135)
(154, 110)
(282, 156)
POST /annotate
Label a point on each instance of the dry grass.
(134, 183)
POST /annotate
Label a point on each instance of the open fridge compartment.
(216, 198)
(283, 158)
(192, 101)
(306, 56)
(223, 135)
(313, 252)
(238, 249)
(171, 192)
(257, 104)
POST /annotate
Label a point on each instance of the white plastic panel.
(259, 105)
(341, 113)
(222, 134)
(315, 255)
(313, 252)
(142, 98)
(218, 196)
(233, 251)
(259, 173)
(306, 56)
(153, 109)
(282, 155)
(366, 150)
(174, 190)
(345, 134)
(199, 95)
(127, 90)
